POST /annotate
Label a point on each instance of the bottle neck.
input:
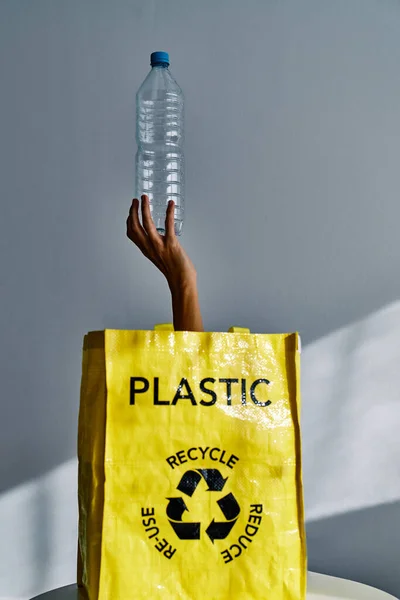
(160, 66)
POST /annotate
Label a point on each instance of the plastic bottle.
(160, 168)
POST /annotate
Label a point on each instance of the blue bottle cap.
(159, 58)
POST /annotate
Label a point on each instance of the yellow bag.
(190, 467)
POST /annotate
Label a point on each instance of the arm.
(186, 307)
(166, 253)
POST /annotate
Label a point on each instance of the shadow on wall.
(351, 417)
(362, 545)
(38, 524)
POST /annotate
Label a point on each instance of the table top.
(320, 587)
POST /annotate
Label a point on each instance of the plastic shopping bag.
(190, 467)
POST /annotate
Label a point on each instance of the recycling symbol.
(217, 530)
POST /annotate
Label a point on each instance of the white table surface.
(320, 587)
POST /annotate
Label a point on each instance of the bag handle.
(170, 327)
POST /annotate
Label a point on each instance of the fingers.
(129, 221)
(170, 222)
(148, 222)
(134, 229)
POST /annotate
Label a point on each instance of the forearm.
(186, 306)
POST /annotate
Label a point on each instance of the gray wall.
(293, 129)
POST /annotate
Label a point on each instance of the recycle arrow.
(175, 509)
(186, 531)
(219, 530)
(214, 479)
(189, 482)
(229, 507)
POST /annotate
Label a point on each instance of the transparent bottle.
(160, 168)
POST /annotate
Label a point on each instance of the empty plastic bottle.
(160, 169)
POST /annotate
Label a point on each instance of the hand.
(165, 252)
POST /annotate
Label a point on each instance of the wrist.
(183, 284)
